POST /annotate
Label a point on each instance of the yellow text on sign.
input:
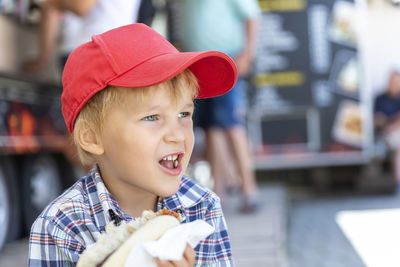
(287, 78)
(282, 5)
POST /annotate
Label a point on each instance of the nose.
(175, 133)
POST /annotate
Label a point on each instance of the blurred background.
(325, 164)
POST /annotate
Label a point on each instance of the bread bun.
(115, 244)
(150, 231)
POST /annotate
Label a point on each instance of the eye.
(150, 118)
(184, 114)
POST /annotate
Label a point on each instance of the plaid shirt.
(75, 220)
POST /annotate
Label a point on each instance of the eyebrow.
(189, 105)
(156, 107)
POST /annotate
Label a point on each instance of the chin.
(169, 191)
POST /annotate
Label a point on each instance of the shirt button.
(179, 211)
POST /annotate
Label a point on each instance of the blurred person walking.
(229, 26)
(387, 119)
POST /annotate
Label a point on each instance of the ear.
(90, 141)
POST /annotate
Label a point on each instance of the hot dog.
(113, 247)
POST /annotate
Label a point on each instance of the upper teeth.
(174, 157)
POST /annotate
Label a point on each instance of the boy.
(128, 101)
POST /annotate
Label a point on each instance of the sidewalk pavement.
(260, 240)
(15, 254)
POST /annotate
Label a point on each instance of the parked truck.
(33, 146)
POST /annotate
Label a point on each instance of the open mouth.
(171, 161)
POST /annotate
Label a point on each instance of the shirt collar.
(106, 200)
(189, 195)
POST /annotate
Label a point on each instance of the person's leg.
(218, 156)
(396, 163)
(241, 151)
(392, 137)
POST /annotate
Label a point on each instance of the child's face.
(147, 146)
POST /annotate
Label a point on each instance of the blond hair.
(93, 114)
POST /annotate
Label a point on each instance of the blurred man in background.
(387, 118)
(228, 26)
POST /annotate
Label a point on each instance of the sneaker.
(233, 190)
(249, 205)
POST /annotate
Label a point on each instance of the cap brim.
(215, 71)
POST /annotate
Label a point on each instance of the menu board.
(306, 81)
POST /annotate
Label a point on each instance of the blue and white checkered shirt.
(75, 220)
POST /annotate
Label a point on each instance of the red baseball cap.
(137, 56)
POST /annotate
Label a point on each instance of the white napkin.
(170, 246)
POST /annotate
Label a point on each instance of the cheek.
(133, 145)
(190, 140)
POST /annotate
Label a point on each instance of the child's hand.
(189, 256)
